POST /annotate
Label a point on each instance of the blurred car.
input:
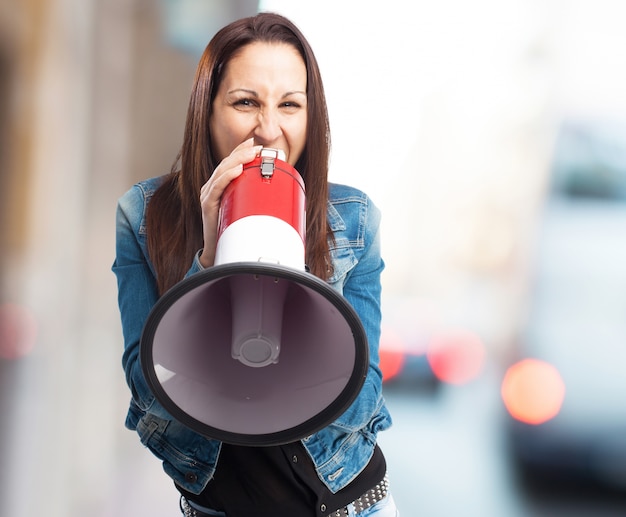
(404, 344)
(420, 350)
(565, 390)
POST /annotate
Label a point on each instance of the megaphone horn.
(255, 350)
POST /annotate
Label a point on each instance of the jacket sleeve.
(137, 292)
(362, 288)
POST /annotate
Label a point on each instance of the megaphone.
(255, 350)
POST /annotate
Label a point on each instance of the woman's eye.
(244, 103)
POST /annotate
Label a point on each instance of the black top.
(278, 482)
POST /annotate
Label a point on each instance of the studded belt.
(190, 511)
(369, 498)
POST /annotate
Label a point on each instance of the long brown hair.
(174, 220)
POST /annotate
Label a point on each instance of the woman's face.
(262, 96)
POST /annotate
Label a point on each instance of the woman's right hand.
(211, 194)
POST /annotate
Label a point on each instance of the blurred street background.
(492, 135)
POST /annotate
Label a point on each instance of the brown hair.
(174, 220)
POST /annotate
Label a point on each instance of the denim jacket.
(341, 450)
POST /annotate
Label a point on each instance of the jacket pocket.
(188, 458)
(344, 260)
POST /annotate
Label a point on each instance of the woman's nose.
(268, 128)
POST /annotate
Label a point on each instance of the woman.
(257, 85)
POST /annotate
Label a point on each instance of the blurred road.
(446, 458)
(444, 453)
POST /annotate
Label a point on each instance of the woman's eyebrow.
(255, 93)
(245, 90)
(295, 92)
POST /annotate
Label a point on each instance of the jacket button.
(323, 508)
(294, 458)
(190, 477)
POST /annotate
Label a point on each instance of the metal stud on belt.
(367, 500)
(186, 508)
